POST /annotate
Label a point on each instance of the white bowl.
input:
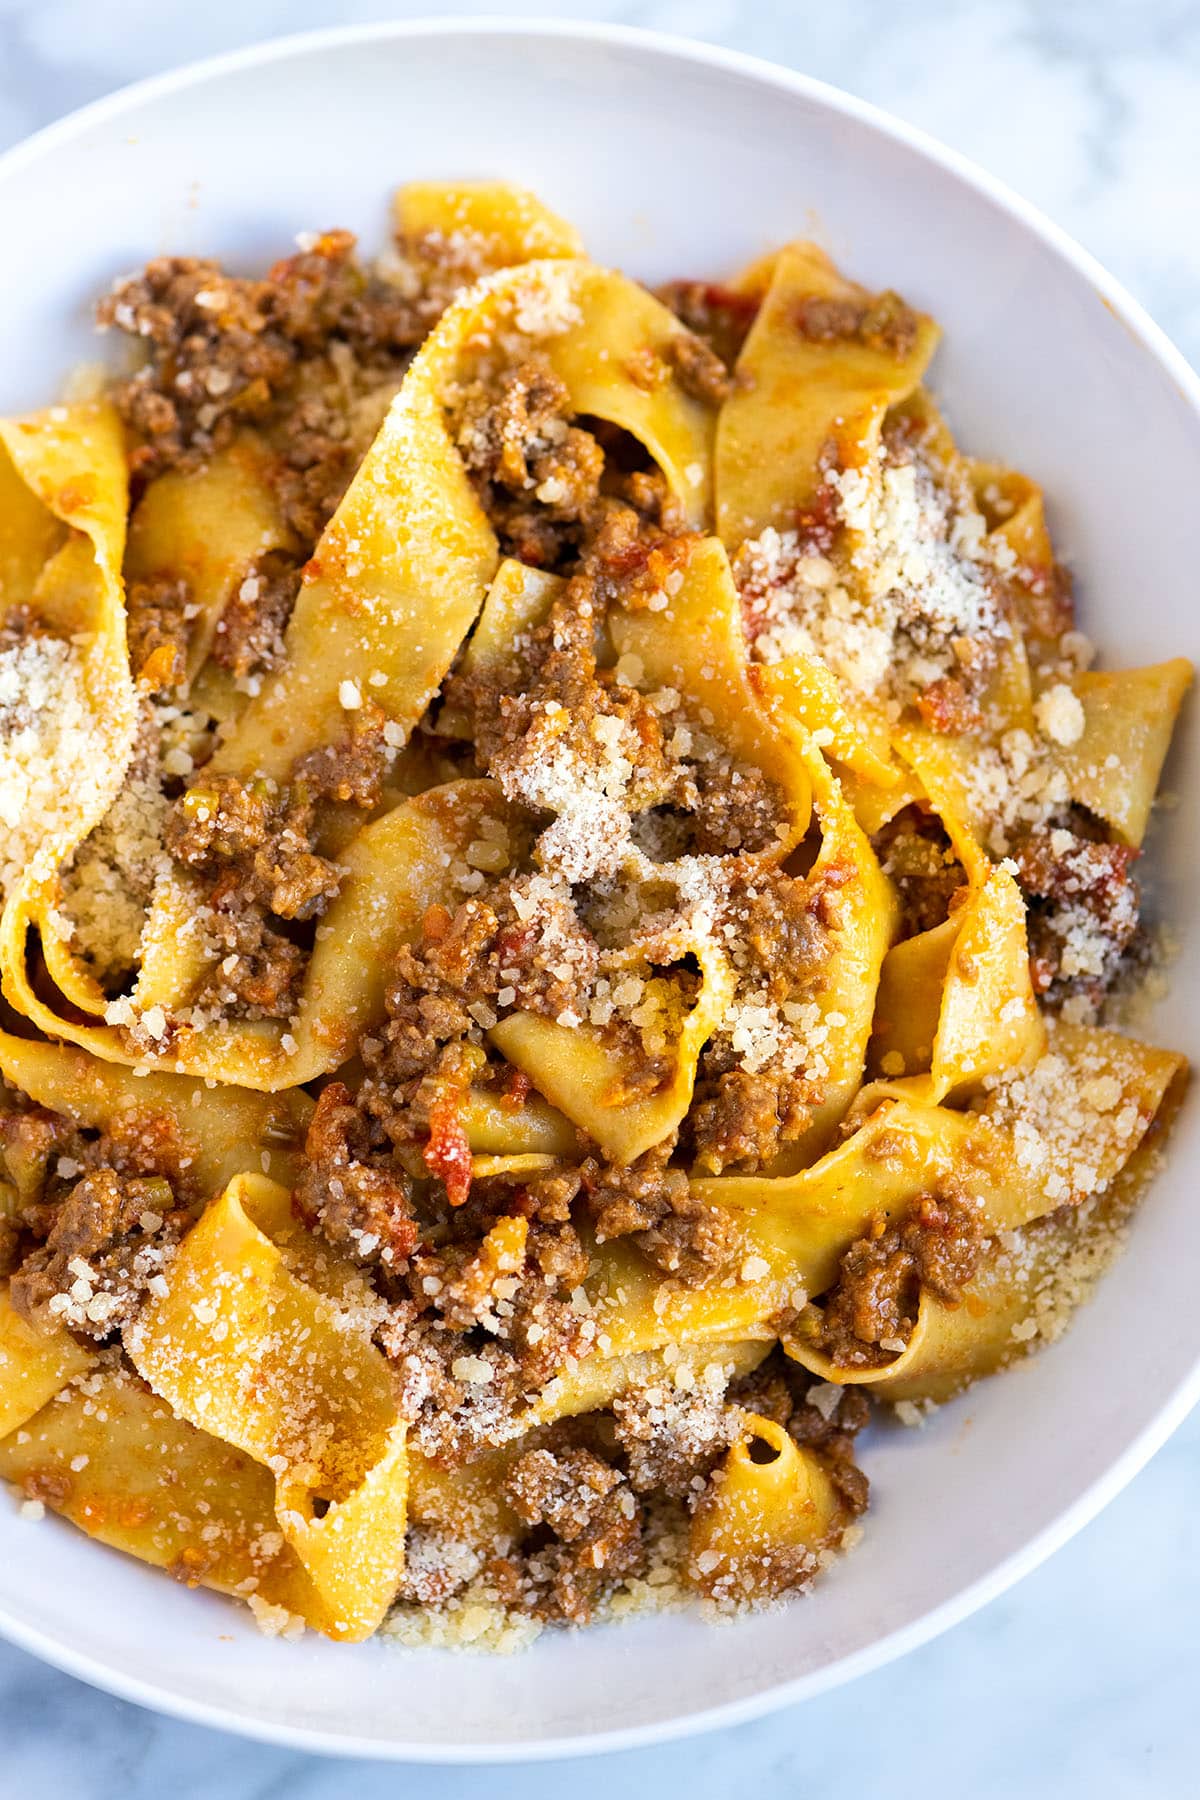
(674, 159)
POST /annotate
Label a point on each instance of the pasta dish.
(568, 901)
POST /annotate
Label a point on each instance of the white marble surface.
(1083, 1680)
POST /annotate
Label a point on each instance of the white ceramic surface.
(1047, 363)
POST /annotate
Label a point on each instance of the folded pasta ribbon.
(244, 1350)
(956, 1002)
(695, 646)
(392, 872)
(801, 393)
(1111, 765)
(589, 1078)
(112, 1457)
(497, 223)
(860, 905)
(64, 494)
(35, 1363)
(796, 1228)
(220, 1131)
(410, 523)
(1072, 1129)
(764, 1518)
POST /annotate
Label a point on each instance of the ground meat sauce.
(698, 369)
(719, 315)
(885, 323)
(1083, 912)
(350, 1189)
(652, 1202)
(742, 1119)
(225, 351)
(157, 619)
(254, 849)
(248, 640)
(308, 356)
(916, 854)
(93, 1219)
(869, 1314)
(538, 476)
(591, 1523)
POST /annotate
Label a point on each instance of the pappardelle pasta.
(565, 870)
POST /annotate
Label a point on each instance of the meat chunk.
(538, 475)
(720, 315)
(157, 620)
(1083, 912)
(225, 351)
(351, 1192)
(109, 1238)
(220, 820)
(870, 1312)
(255, 848)
(742, 1120)
(672, 1438)
(885, 323)
(698, 369)
(595, 1523)
(915, 853)
(653, 1202)
(249, 637)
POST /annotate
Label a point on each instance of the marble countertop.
(1083, 1679)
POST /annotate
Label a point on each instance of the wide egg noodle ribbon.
(242, 1349)
(70, 462)
(763, 1519)
(1026, 1285)
(797, 1227)
(499, 1128)
(957, 1001)
(499, 223)
(209, 527)
(1113, 768)
(798, 399)
(865, 912)
(30, 533)
(405, 862)
(222, 1131)
(35, 1363)
(1043, 1164)
(695, 646)
(1015, 511)
(409, 518)
(585, 1075)
(615, 360)
(410, 523)
(851, 733)
(518, 601)
(111, 1456)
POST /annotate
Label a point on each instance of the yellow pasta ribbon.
(247, 1352)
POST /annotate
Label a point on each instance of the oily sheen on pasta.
(568, 899)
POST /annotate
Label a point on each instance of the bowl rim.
(1169, 1415)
